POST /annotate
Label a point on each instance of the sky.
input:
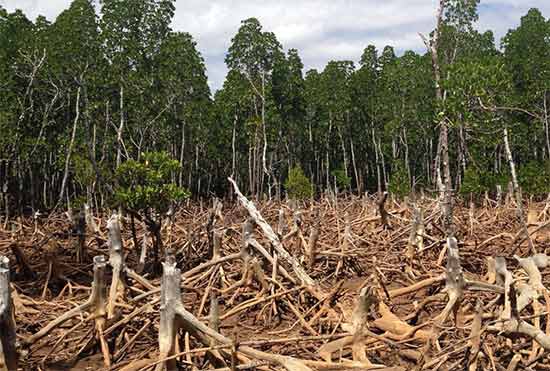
(321, 30)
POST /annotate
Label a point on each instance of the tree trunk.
(517, 190)
(120, 128)
(358, 181)
(378, 176)
(433, 47)
(182, 151)
(8, 351)
(545, 105)
(264, 154)
(116, 261)
(70, 149)
(233, 149)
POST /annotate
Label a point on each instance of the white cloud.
(321, 30)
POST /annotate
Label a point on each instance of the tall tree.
(253, 53)
(460, 14)
(527, 55)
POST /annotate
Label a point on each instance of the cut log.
(92, 225)
(382, 209)
(116, 261)
(312, 243)
(22, 260)
(454, 281)
(8, 351)
(214, 215)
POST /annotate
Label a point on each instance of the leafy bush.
(342, 180)
(146, 184)
(83, 171)
(472, 182)
(478, 182)
(297, 185)
(399, 181)
(534, 178)
(145, 189)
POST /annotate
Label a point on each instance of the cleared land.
(355, 292)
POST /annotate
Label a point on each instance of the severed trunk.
(8, 351)
(116, 261)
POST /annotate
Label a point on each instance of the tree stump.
(8, 352)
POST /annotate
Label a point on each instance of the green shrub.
(297, 185)
(478, 182)
(399, 181)
(145, 189)
(342, 180)
(472, 182)
(146, 184)
(534, 178)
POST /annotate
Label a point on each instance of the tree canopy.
(99, 86)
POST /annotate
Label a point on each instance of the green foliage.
(399, 181)
(147, 183)
(471, 183)
(376, 112)
(83, 171)
(77, 203)
(297, 185)
(343, 181)
(477, 182)
(253, 51)
(534, 178)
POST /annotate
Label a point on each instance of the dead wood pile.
(328, 285)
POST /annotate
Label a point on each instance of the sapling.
(146, 191)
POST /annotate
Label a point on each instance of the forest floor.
(376, 303)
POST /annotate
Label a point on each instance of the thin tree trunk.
(357, 178)
(433, 47)
(120, 128)
(545, 104)
(233, 150)
(383, 164)
(8, 349)
(264, 154)
(182, 151)
(343, 151)
(70, 149)
(377, 162)
(517, 190)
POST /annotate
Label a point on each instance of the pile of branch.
(339, 284)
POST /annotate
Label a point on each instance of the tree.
(527, 56)
(76, 57)
(461, 14)
(182, 78)
(253, 53)
(297, 184)
(144, 189)
(133, 33)
(288, 89)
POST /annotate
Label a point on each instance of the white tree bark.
(71, 145)
(8, 352)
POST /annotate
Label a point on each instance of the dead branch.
(173, 315)
(300, 272)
